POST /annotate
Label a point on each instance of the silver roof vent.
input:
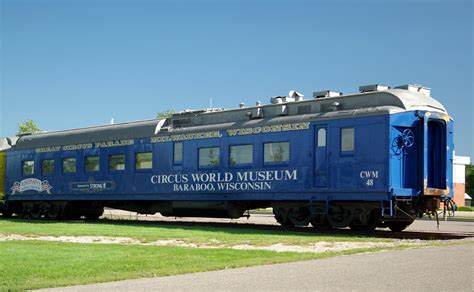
(277, 99)
(292, 96)
(373, 87)
(295, 95)
(416, 88)
(326, 93)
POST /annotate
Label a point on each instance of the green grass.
(148, 232)
(465, 209)
(39, 264)
(36, 264)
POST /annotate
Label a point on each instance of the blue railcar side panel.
(365, 168)
(367, 173)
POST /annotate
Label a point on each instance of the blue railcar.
(377, 158)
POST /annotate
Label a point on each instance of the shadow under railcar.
(244, 228)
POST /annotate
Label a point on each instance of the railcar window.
(276, 152)
(209, 157)
(241, 154)
(92, 164)
(116, 162)
(322, 137)
(144, 160)
(47, 167)
(69, 165)
(347, 139)
(178, 153)
(28, 167)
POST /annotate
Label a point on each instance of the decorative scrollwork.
(408, 138)
(397, 145)
(404, 140)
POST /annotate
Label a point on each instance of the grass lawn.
(37, 264)
(465, 209)
(148, 232)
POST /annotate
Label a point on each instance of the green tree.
(213, 157)
(470, 179)
(278, 155)
(165, 114)
(28, 127)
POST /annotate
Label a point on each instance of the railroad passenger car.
(380, 157)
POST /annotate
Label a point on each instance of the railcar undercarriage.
(361, 216)
(357, 215)
(55, 210)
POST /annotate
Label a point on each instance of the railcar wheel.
(53, 212)
(340, 217)
(281, 216)
(398, 226)
(320, 222)
(34, 212)
(367, 224)
(299, 216)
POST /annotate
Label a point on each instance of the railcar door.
(321, 157)
(435, 155)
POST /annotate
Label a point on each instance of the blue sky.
(75, 63)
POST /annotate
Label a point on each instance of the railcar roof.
(345, 106)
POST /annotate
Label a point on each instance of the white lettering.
(227, 181)
(369, 174)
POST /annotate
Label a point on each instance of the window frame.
(116, 170)
(240, 165)
(277, 162)
(318, 140)
(180, 162)
(85, 163)
(23, 168)
(135, 161)
(42, 167)
(347, 152)
(211, 165)
(69, 172)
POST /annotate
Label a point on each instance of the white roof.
(466, 196)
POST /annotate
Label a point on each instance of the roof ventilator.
(292, 96)
(326, 93)
(255, 112)
(373, 87)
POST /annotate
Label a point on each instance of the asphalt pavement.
(448, 268)
(444, 226)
